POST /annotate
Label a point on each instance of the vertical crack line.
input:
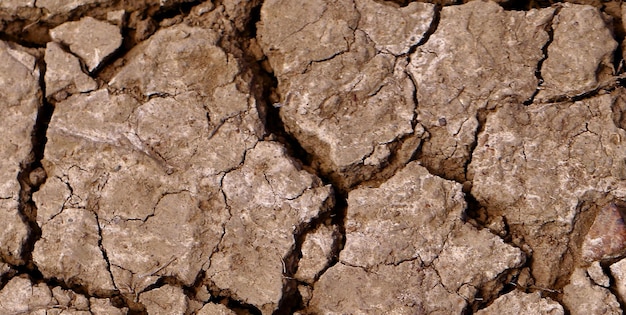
(434, 24)
(613, 286)
(26, 207)
(103, 251)
(549, 28)
(291, 299)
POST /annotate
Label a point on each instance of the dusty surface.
(317, 157)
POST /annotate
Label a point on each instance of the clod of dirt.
(20, 94)
(63, 72)
(410, 228)
(104, 147)
(607, 235)
(394, 30)
(618, 271)
(581, 296)
(534, 164)
(570, 70)
(518, 302)
(89, 39)
(343, 289)
(479, 58)
(270, 199)
(596, 273)
(215, 309)
(355, 120)
(165, 300)
(65, 6)
(21, 296)
(69, 250)
(187, 53)
(317, 249)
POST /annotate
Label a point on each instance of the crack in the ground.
(27, 207)
(265, 85)
(549, 28)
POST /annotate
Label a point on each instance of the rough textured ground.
(312, 157)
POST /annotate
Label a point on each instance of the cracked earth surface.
(316, 157)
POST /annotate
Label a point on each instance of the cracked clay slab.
(480, 57)
(410, 229)
(21, 97)
(348, 101)
(104, 147)
(533, 165)
(269, 199)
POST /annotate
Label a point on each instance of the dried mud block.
(480, 57)
(317, 250)
(13, 5)
(20, 94)
(66, 6)
(150, 168)
(520, 303)
(69, 250)
(14, 231)
(474, 257)
(581, 296)
(293, 35)
(162, 229)
(580, 56)
(269, 198)
(407, 217)
(394, 30)
(607, 235)
(70, 300)
(89, 39)
(618, 271)
(188, 54)
(63, 71)
(104, 307)
(598, 276)
(165, 300)
(177, 240)
(215, 309)
(20, 296)
(348, 104)
(406, 288)
(409, 231)
(4, 269)
(533, 165)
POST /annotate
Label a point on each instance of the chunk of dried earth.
(361, 117)
(63, 72)
(518, 302)
(269, 199)
(89, 39)
(569, 70)
(409, 231)
(581, 296)
(480, 58)
(534, 165)
(21, 96)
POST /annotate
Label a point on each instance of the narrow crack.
(27, 207)
(549, 28)
(434, 25)
(104, 251)
(613, 286)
